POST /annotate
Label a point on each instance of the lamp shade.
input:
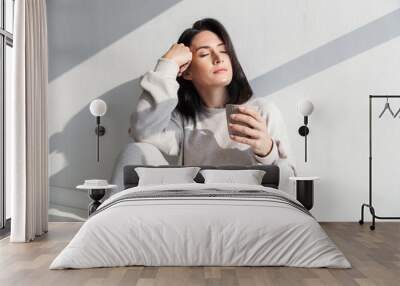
(305, 107)
(98, 107)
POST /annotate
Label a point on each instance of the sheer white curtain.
(26, 124)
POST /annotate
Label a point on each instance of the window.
(6, 44)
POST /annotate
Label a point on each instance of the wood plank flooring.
(375, 257)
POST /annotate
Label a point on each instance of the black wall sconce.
(98, 108)
(305, 108)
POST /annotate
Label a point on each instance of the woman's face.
(211, 64)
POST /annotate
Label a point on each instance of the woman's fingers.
(253, 133)
(180, 53)
(249, 120)
(183, 68)
(252, 112)
(244, 140)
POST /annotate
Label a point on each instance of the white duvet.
(188, 230)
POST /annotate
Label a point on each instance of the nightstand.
(305, 190)
(96, 193)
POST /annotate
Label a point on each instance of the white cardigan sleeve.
(155, 120)
(281, 154)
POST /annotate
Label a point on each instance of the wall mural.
(73, 153)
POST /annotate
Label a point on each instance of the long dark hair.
(239, 90)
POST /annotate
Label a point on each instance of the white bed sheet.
(200, 231)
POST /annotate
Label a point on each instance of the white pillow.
(162, 176)
(250, 177)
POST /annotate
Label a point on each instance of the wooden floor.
(374, 255)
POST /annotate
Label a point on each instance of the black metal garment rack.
(369, 205)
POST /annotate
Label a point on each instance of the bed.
(201, 224)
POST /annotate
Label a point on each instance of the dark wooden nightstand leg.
(305, 193)
(96, 195)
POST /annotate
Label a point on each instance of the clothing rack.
(369, 205)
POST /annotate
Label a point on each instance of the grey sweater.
(156, 121)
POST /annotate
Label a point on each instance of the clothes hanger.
(398, 111)
(387, 106)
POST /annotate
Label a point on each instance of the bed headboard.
(270, 179)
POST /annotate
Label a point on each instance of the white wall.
(335, 55)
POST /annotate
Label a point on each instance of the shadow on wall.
(73, 155)
(92, 25)
(76, 31)
(334, 52)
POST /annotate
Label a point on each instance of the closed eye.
(203, 55)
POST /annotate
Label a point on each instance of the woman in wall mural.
(181, 110)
